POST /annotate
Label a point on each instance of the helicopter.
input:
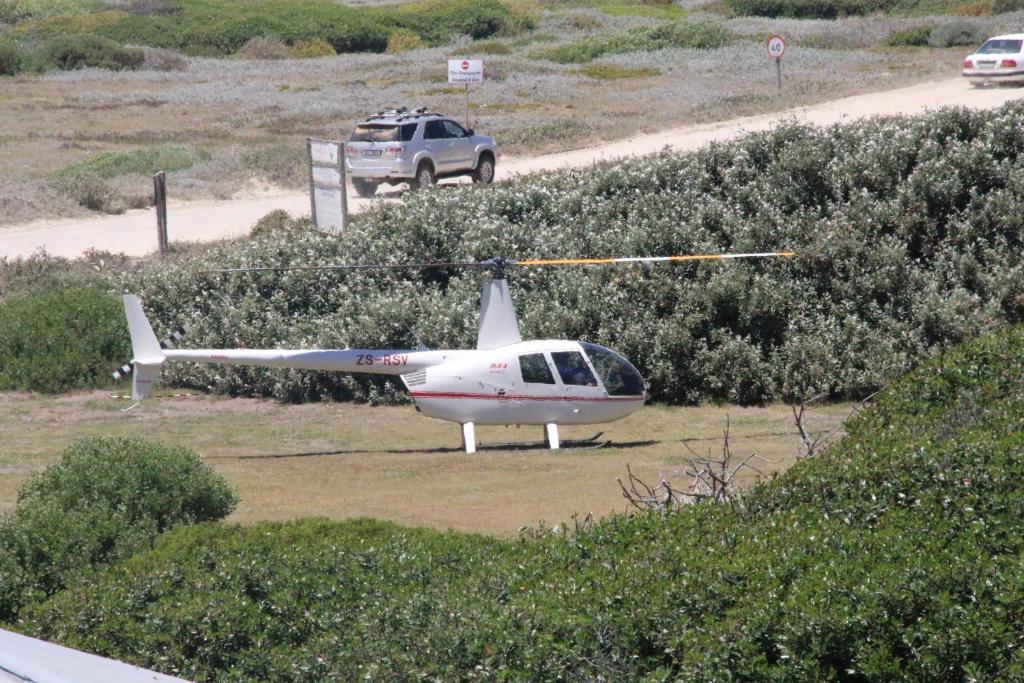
(503, 381)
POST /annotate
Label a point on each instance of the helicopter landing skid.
(588, 444)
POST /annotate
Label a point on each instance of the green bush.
(106, 499)
(437, 23)
(909, 232)
(86, 50)
(404, 40)
(957, 33)
(141, 161)
(895, 555)
(221, 27)
(14, 11)
(911, 37)
(491, 47)
(265, 47)
(808, 9)
(214, 27)
(90, 191)
(1002, 6)
(11, 59)
(60, 338)
(683, 34)
(275, 222)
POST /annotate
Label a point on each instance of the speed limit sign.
(776, 47)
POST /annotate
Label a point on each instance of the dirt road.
(134, 232)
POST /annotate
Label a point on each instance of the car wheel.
(484, 172)
(364, 188)
(424, 177)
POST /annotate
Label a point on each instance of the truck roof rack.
(401, 113)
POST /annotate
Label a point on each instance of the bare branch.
(710, 479)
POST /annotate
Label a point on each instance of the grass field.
(342, 460)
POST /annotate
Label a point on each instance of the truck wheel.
(364, 188)
(484, 171)
(424, 176)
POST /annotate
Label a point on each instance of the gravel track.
(134, 232)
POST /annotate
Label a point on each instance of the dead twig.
(710, 479)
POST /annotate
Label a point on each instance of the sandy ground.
(134, 232)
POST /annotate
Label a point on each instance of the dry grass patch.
(343, 460)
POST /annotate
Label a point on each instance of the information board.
(327, 195)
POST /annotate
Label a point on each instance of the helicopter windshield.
(618, 374)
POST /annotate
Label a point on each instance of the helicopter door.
(578, 380)
(538, 398)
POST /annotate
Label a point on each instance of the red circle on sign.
(776, 47)
(465, 66)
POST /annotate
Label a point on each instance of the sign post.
(466, 71)
(160, 202)
(776, 47)
(327, 195)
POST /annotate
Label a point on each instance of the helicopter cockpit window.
(573, 369)
(535, 369)
(619, 376)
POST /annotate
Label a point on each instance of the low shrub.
(284, 165)
(90, 191)
(404, 40)
(139, 161)
(220, 27)
(911, 37)
(808, 9)
(312, 48)
(11, 58)
(609, 72)
(491, 47)
(438, 22)
(106, 499)
(216, 27)
(956, 33)
(894, 555)
(14, 11)
(1003, 6)
(60, 338)
(159, 59)
(583, 21)
(44, 271)
(265, 47)
(974, 8)
(684, 34)
(274, 222)
(86, 50)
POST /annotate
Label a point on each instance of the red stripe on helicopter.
(520, 397)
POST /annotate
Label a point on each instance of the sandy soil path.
(134, 232)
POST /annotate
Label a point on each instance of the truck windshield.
(618, 374)
(374, 133)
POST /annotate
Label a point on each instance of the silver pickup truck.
(417, 147)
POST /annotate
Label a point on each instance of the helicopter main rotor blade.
(646, 259)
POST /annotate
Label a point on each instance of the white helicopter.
(503, 381)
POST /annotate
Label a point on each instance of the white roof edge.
(30, 659)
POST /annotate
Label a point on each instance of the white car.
(1000, 59)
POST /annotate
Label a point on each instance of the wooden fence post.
(160, 201)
